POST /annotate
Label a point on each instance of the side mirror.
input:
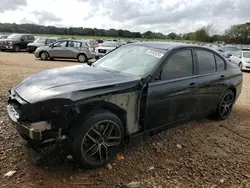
(52, 46)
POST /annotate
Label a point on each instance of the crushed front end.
(40, 123)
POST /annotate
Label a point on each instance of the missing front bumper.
(30, 133)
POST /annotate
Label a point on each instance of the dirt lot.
(202, 153)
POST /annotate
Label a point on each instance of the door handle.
(192, 85)
(222, 77)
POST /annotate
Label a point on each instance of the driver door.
(172, 97)
(58, 49)
(23, 42)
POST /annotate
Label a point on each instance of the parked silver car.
(69, 49)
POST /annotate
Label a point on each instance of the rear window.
(220, 63)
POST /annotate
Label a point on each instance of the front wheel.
(97, 139)
(16, 48)
(44, 56)
(225, 106)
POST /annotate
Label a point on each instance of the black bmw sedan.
(136, 90)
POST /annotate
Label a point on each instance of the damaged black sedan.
(134, 91)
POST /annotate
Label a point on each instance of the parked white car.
(241, 59)
(105, 48)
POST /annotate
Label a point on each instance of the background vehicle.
(40, 41)
(241, 59)
(70, 49)
(106, 47)
(136, 90)
(3, 36)
(229, 50)
(16, 42)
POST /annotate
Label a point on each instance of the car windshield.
(110, 44)
(246, 54)
(132, 60)
(14, 36)
(232, 49)
(40, 40)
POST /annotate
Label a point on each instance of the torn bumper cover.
(35, 131)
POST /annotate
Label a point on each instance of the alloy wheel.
(81, 58)
(226, 105)
(100, 141)
(16, 48)
(43, 56)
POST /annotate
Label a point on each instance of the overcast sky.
(164, 16)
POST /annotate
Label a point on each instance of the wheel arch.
(42, 52)
(233, 89)
(82, 53)
(88, 108)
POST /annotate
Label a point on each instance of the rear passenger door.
(73, 49)
(209, 77)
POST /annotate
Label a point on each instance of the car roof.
(165, 45)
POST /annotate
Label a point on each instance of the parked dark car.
(40, 41)
(134, 91)
(16, 42)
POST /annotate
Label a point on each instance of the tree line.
(235, 34)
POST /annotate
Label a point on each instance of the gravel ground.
(202, 153)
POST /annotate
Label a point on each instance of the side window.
(74, 44)
(220, 63)
(60, 44)
(24, 38)
(178, 66)
(84, 44)
(206, 61)
(30, 37)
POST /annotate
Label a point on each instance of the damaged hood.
(65, 82)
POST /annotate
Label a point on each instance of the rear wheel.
(44, 56)
(97, 139)
(82, 58)
(16, 48)
(225, 106)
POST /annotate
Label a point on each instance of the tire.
(82, 58)
(16, 48)
(30, 50)
(91, 143)
(44, 56)
(225, 106)
(240, 66)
